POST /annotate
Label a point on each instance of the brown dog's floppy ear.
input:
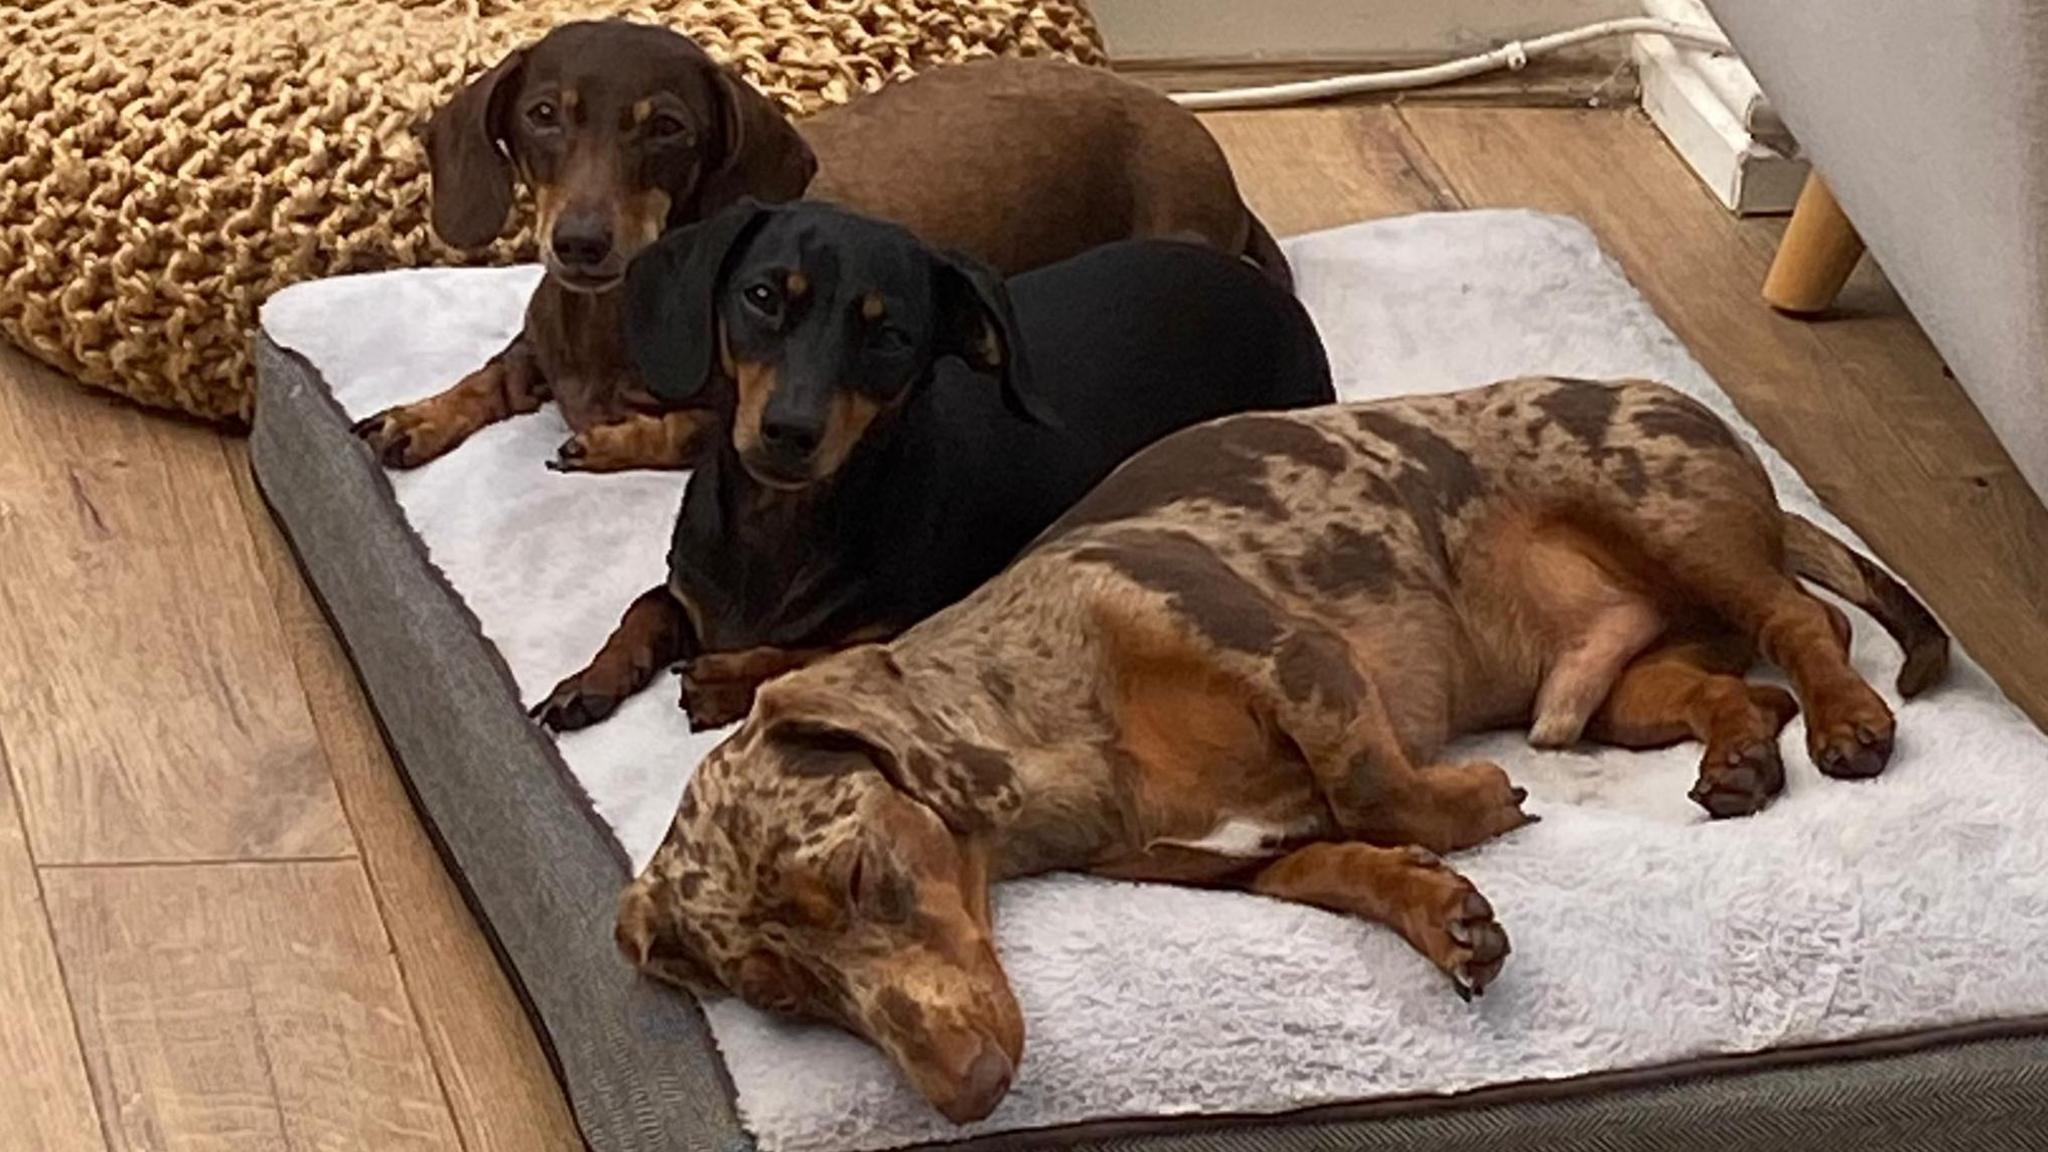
(866, 709)
(761, 154)
(466, 154)
(671, 313)
(976, 323)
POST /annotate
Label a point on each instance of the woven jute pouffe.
(167, 164)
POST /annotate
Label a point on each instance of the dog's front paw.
(621, 446)
(577, 702)
(1456, 928)
(572, 456)
(405, 437)
(713, 703)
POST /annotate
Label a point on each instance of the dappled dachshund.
(901, 425)
(621, 131)
(1236, 663)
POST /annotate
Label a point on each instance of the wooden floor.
(221, 926)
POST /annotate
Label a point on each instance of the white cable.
(1513, 56)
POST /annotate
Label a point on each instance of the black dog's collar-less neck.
(792, 568)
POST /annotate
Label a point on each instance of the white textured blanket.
(1643, 933)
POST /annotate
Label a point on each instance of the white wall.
(1331, 29)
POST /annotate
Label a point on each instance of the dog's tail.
(1263, 251)
(1813, 553)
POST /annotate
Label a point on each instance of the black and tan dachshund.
(900, 424)
(622, 130)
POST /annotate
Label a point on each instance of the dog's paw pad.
(1739, 779)
(1854, 751)
(1481, 946)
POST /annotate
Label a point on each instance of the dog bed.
(1861, 962)
(164, 166)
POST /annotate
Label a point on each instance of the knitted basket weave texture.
(167, 164)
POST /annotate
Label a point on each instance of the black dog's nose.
(582, 241)
(794, 438)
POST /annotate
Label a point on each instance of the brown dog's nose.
(981, 1087)
(582, 241)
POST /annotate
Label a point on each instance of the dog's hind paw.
(1456, 928)
(1853, 749)
(1738, 780)
(1462, 805)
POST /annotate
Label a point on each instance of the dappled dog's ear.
(865, 710)
(976, 323)
(671, 315)
(466, 154)
(760, 153)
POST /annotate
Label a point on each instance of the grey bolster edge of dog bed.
(639, 1065)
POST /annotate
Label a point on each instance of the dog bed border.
(639, 1064)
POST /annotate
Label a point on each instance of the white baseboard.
(1252, 30)
(1716, 118)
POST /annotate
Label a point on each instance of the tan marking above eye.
(642, 110)
(872, 308)
(796, 284)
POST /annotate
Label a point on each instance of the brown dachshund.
(621, 131)
(1236, 663)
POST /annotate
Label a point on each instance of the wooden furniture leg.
(1819, 251)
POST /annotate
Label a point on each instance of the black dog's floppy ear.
(760, 154)
(671, 314)
(976, 324)
(466, 155)
(866, 709)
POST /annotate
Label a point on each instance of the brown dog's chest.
(575, 337)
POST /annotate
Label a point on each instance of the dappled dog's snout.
(966, 1080)
(983, 1087)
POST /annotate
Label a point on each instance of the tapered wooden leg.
(1819, 251)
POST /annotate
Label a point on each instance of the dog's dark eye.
(763, 299)
(543, 114)
(666, 127)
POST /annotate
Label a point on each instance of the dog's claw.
(570, 456)
(388, 438)
(569, 707)
(1739, 780)
(1851, 740)
(1483, 942)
